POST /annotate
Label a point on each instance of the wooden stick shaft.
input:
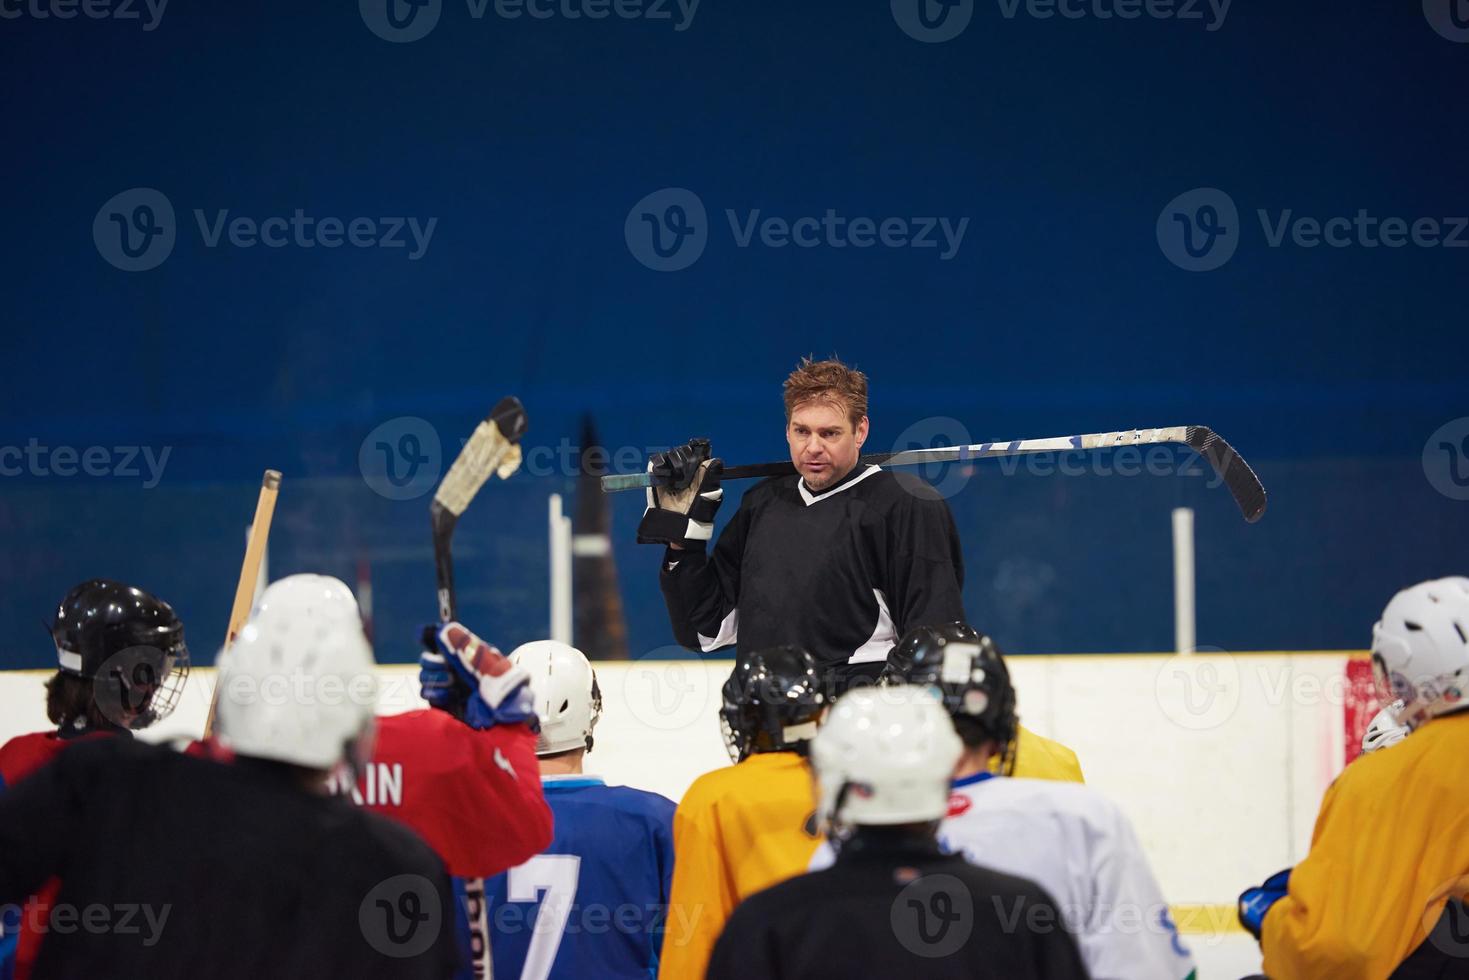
(249, 573)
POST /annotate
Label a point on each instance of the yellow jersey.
(1037, 757)
(737, 831)
(1391, 844)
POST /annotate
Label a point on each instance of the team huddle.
(886, 814)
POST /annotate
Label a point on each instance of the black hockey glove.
(685, 497)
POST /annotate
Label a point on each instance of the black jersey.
(842, 573)
(898, 912)
(174, 866)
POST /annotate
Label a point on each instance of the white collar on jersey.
(846, 484)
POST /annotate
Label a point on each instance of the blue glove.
(437, 682)
(498, 691)
(1255, 902)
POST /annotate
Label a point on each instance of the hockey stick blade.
(1239, 479)
(494, 447)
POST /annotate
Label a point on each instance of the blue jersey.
(593, 903)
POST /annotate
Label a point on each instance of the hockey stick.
(493, 448)
(1230, 466)
(270, 485)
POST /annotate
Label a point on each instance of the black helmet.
(772, 702)
(129, 643)
(966, 670)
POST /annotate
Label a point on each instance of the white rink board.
(1219, 760)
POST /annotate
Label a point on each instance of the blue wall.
(529, 140)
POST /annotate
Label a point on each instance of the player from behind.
(610, 864)
(893, 904)
(121, 666)
(745, 827)
(1031, 756)
(173, 865)
(462, 773)
(1072, 840)
(1390, 847)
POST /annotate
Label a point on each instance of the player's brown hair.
(828, 381)
(69, 698)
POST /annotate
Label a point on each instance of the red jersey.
(474, 796)
(20, 757)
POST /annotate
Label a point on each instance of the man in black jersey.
(175, 866)
(841, 558)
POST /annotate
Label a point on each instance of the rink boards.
(1219, 759)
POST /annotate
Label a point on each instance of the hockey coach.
(840, 558)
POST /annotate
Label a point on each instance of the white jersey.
(1077, 845)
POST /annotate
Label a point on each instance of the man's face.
(824, 445)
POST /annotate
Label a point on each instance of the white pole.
(560, 543)
(1184, 636)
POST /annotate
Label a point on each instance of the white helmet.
(1384, 729)
(1420, 650)
(885, 756)
(567, 697)
(298, 684)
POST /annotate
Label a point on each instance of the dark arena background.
(325, 238)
